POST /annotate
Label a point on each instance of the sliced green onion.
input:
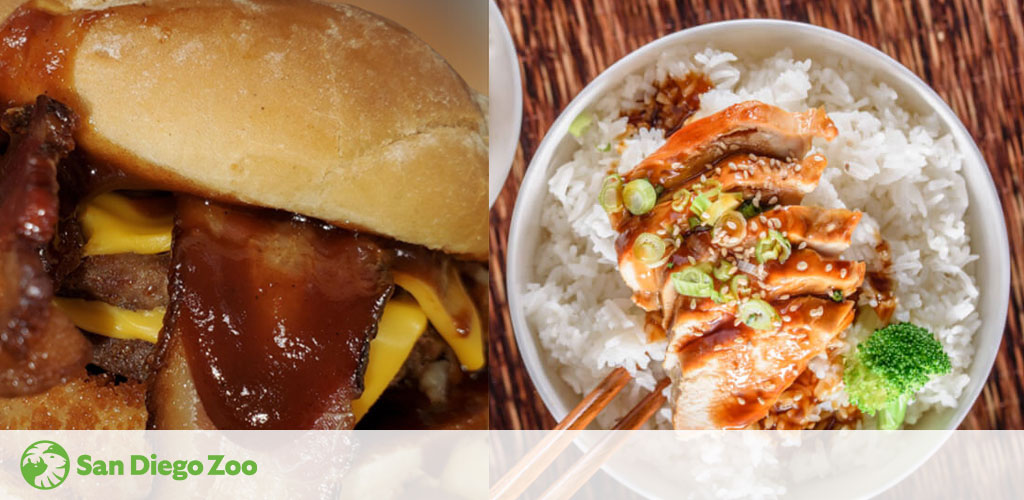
(700, 203)
(680, 199)
(693, 282)
(837, 295)
(711, 187)
(649, 248)
(758, 314)
(639, 196)
(724, 203)
(604, 148)
(740, 284)
(731, 228)
(581, 123)
(693, 222)
(774, 246)
(611, 194)
(724, 270)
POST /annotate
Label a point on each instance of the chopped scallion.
(639, 196)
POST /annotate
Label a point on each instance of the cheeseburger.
(259, 214)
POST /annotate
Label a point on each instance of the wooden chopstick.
(592, 404)
(583, 470)
(526, 471)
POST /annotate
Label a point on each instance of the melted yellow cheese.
(113, 224)
(468, 346)
(104, 319)
(400, 326)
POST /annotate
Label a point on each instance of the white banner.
(354, 465)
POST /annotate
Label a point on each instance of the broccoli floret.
(888, 368)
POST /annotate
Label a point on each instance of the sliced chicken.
(825, 230)
(775, 181)
(750, 127)
(822, 276)
(808, 273)
(732, 376)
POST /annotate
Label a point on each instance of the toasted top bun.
(323, 110)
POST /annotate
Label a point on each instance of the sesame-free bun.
(323, 110)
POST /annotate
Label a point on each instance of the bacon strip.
(39, 347)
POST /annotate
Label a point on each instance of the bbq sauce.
(275, 314)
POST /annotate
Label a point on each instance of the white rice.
(899, 168)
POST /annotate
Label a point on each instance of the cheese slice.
(113, 223)
(468, 344)
(104, 319)
(401, 324)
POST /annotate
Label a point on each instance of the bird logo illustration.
(44, 465)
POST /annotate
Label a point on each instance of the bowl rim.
(888, 68)
(504, 38)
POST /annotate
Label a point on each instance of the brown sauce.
(883, 294)
(674, 100)
(275, 313)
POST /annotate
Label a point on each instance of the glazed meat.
(746, 285)
(270, 320)
(748, 127)
(732, 376)
(39, 347)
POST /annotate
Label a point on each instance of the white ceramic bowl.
(984, 216)
(506, 102)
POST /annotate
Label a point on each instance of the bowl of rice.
(902, 157)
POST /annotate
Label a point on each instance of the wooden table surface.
(970, 51)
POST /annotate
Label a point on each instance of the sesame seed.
(730, 224)
(693, 303)
(828, 268)
(773, 200)
(802, 245)
(784, 297)
(787, 319)
(817, 312)
(801, 266)
(753, 226)
(691, 259)
(842, 274)
(762, 235)
(741, 401)
(798, 167)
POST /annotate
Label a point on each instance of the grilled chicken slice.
(751, 127)
(822, 276)
(774, 180)
(827, 231)
(732, 376)
(808, 273)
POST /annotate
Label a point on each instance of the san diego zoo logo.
(44, 465)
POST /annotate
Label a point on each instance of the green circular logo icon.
(44, 465)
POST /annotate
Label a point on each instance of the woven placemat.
(970, 51)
